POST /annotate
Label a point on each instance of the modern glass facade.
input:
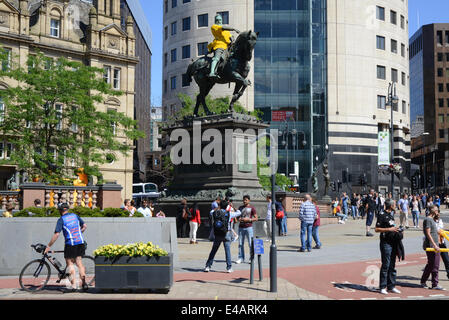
(290, 80)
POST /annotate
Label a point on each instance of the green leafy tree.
(53, 121)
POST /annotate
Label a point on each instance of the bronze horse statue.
(234, 69)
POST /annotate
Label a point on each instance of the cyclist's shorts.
(71, 252)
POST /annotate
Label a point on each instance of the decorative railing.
(74, 196)
(10, 197)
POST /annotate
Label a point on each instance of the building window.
(202, 49)
(166, 33)
(165, 86)
(394, 75)
(380, 42)
(403, 81)
(440, 37)
(107, 74)
(225, 16)
(381, 73)
(185, 80)
(74, 126)
(440, 72)
(185, 1)
(174, 3)
(173, 28)
(2, 110)
(446, 36)
(186, 52)
(166, 6)
(58, 109)
(447, 87)
(402, 22)
(186, 24)
(403, 50)
(113, 123)
(393, 17)
(173, 83)
(440, 56)
(441, 133)
(6, 62)
(203, 20)
(441, 103)
(404, 107)
(165, 59)
(380, 13)
(394, 46)
(117, 78)
(55, 28)
(440, 87)
(173, 55)
(381, 101)
(441, 118)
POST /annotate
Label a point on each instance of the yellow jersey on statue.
(222, 40)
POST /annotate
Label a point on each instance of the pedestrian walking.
(230, 208)
(354, 210)
(280, 218)
(316, 226)
(416, 211)
(345, 204)
(72, 227)
(194, 222)
(404, 208)
(390, 238)
(429, 204)
(431, 240)
(268, 221)
(182, 219)
(214, 205)
(446, 201)
(370, 207)
(221, 222)
(247, 217)
(307, 216)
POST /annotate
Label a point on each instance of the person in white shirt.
(145, 210)
(268, 218)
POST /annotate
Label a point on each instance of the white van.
(146, 190)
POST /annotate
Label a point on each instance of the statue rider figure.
(220, 44)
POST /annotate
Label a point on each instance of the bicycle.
(36, 274)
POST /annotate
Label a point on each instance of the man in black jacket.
(370, 209)
(389, 241)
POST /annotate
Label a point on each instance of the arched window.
(55, 24)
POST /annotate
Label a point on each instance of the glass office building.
(290, 80)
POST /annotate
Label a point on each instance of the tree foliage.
(53, 118)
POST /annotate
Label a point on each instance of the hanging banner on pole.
(383, 152)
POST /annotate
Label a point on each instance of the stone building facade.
(83, 31)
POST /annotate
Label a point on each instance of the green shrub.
(37, 212)
(81, 211)
(115, 212)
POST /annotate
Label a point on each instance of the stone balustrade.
(10, 197)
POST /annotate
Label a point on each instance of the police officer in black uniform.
(385, 225)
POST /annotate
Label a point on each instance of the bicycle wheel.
(34, 276)
(89, 265)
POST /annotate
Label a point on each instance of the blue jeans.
(306, 227)
(387, 270)
(284, 225)
(248, 233)
(342, 216)
(316, 236)
(415, 215)
(354, 212)
(215, 246)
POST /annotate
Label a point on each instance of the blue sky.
(428, 11)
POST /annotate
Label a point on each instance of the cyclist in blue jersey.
(72, 227)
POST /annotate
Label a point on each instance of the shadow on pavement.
(353, 286)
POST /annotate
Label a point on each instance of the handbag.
(279, 215)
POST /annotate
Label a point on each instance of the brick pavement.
(319, 275)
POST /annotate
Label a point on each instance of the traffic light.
(429, 181)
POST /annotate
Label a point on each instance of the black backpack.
(221, 221)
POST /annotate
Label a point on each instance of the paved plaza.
(345, 268)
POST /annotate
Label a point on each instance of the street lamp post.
(392, 101)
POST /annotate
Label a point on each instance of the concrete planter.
(149, 273)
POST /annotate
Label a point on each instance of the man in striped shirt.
(307, 216)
